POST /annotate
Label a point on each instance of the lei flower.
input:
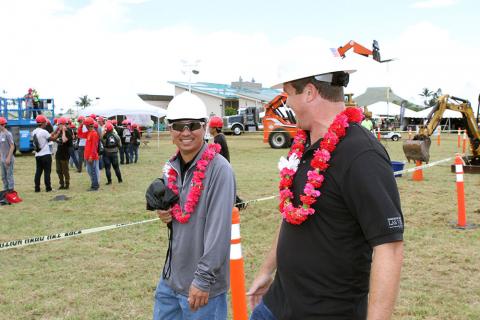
(320, 163)
(196, 187)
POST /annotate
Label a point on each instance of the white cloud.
(433, 4)
(65, 53)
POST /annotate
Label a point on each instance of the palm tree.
(83, 101)
(426, 94)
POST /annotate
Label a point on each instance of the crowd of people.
(95, 143)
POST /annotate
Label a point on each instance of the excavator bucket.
(417, 149)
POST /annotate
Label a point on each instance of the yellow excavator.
(418, 148)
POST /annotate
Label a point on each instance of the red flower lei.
(319, 163)
(196, 187)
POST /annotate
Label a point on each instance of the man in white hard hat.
(340, 206)
(194, 280)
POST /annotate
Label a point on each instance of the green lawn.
(113, 274)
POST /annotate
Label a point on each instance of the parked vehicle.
(21, 119)
(395, 136)
(247, 119)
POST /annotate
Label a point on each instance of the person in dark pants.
(126, 139)
(112, 142)
(71, 150)
(43, 154)
(119, 129)
(64, 142)
(215, 126)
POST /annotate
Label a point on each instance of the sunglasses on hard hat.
(191, 126)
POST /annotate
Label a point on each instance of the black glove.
(159, 196)
(239, 203)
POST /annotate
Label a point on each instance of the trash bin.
(397, 166)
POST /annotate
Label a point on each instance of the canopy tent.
(137, 110)
(447, 114)
(381, 109)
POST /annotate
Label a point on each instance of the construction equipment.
(21, 114)
(247, 119)
(418, 148)
(279, 123)
(361, 50)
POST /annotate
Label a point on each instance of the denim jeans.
(7, 174)
(170, 305)
(261, 312)
(73, 157)
(133, 153)
(93, 172)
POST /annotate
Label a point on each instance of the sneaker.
(120, 180)
(49, 190)
(108, 182)
(61, 188)
(92, 189)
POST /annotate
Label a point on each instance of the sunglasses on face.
(191, 126)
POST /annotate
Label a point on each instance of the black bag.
(36, 144)
(159, 196)
(111, 141)
(100, 149)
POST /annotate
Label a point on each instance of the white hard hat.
(322, 67)
(186, 106)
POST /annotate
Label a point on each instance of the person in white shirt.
(43, 154)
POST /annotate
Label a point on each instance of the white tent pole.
(158, 133)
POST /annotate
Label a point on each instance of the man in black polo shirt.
(343, 260)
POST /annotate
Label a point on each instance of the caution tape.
(63, 235)
(431, 164)
(70, 234)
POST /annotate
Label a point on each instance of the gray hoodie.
(201, 247)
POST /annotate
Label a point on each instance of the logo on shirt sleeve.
(395, 223)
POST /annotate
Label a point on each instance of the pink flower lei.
(319, 163)
(196, 188)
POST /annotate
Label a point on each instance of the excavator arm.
(361, 50)
(418, 148)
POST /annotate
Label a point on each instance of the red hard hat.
(40, 118)
(62, 120)
(55, 120)
(114, 121)
(100, 119)
(88, 121)
(125, 121)
(95, 124)
(72, 125)
(216, 122)
(81, 118)
(68, 119)
(3, 120)
(93, 116)
(109, 126)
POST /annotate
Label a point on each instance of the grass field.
(113, 274)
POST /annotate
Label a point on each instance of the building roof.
(154, 97)
(226, 91)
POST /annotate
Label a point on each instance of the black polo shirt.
(323, 265)
(220, 139)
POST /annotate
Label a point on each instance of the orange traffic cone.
(418, 174)
(237, 273)
(464, 145)
(438, 136)
(462, 218)
(378, 134)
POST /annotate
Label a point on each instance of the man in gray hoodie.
(195, 277)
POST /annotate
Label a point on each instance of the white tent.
(382, 109)
(447, 114)
(138, 110)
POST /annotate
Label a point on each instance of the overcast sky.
(113, 49)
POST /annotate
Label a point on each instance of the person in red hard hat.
(135, 142)
(112, 142)
(43, 154)
(7, 156)
(91, 152)
(215, 126)
(81, 131)
(64, 142)
(126, 137)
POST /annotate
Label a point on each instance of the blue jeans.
(261, 312)
(170, 305)
(93, 172)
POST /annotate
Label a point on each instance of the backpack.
(36, 144)
(111, 141)
(127, 135)
(100, 148)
